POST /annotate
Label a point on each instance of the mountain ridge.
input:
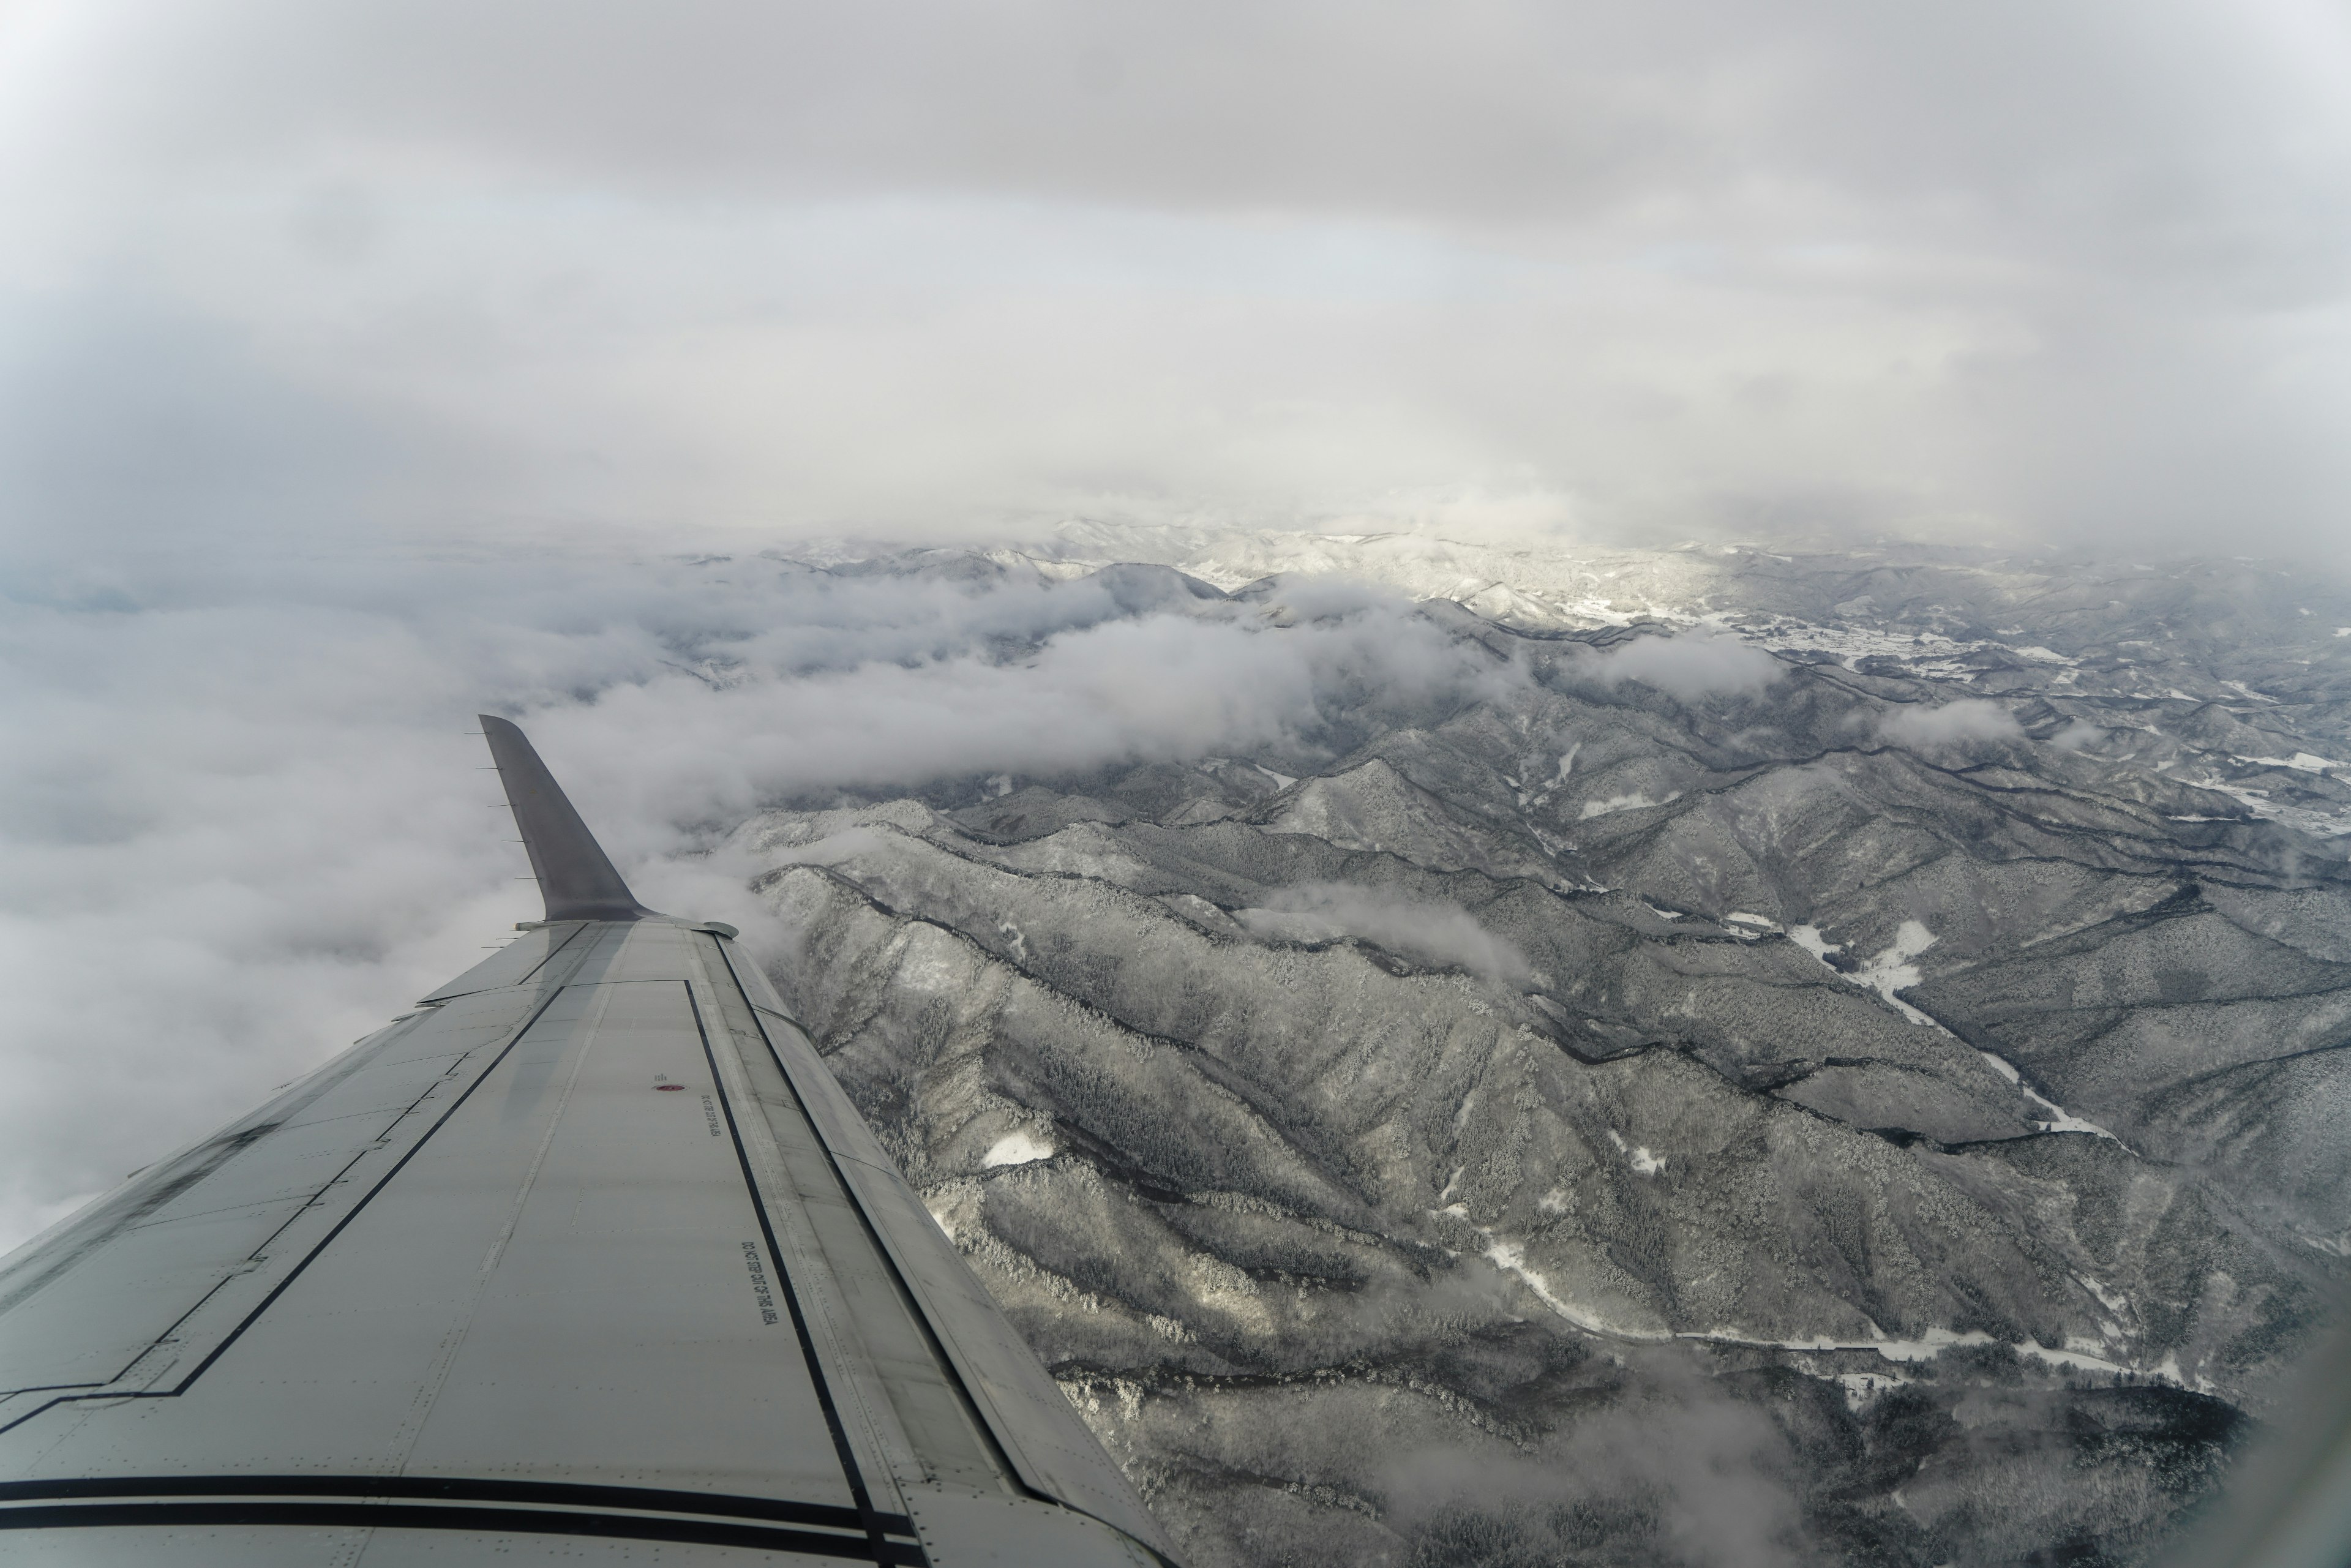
(1906, 1104)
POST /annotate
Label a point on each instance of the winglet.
(575, 876)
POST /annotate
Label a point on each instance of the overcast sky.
(2057, 270)
(356, 359)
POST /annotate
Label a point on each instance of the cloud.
(924, 269)
(1430, 933)
(2077, 736)
(1951, 724)
(1679, 1474)
(1692, 665)
(239, 803)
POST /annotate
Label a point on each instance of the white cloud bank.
(1693, 666)
(241, 822)
(1970, 719)
(1430, 933)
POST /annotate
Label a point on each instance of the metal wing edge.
(1055, 1456)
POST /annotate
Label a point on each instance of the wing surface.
(587, 1256)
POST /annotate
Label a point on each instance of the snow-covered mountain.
(1828, 1058)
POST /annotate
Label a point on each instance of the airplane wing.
(586, 1258)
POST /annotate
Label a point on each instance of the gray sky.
(360, 362)
(2070, 271)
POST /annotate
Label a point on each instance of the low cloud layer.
(1440, 934)
(1970, 719)
(1693, 666)
(243, 823)
(1684, 1477)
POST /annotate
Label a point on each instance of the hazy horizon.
(1602, 274)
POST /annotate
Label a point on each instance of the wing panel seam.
(323, 1243)
(817, 1380)
(461, 1516)
(453, 1489)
